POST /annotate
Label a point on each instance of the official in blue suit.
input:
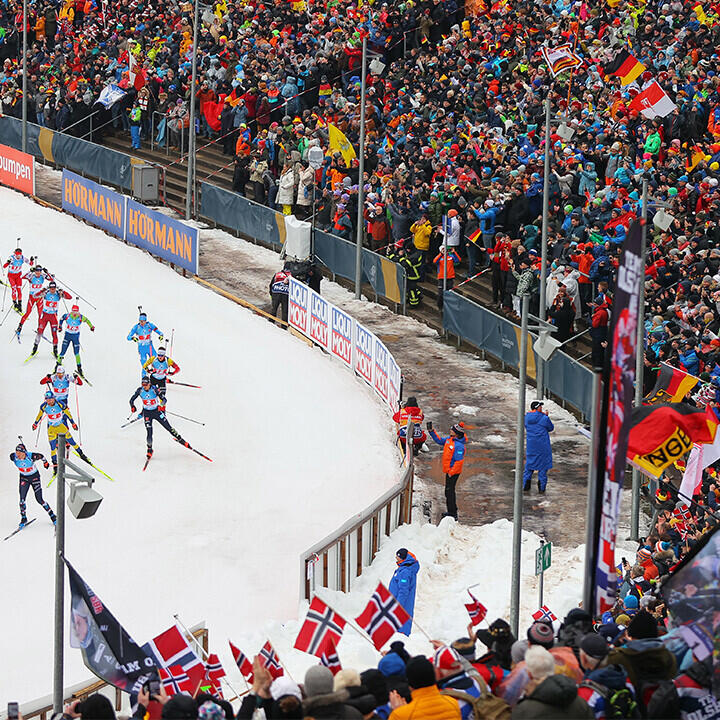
(403, 584)
(538, 453)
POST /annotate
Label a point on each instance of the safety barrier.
(117, 214)
(233, 211)
(66, 151)
(42, 707)
(565, 377)
(339, 558)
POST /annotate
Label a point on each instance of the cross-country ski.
(22, 526)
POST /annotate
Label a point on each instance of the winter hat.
(402, 553)
(498, 631)
(540, 633)
(346, 678)
(446, 658)
(398, 647)
(420, 672)
(283, 686)
(180, 707)
(594, 645)
(622, 619)
(464, 646)
(611, 632)
(210, 711)
(96, 707)
(459, 429)
(643, 554)
(518, 650)
(643, 625)
(375, 683)
(318, 681)
(392, 664)
(630, 602)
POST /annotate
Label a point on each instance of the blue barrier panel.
(566, 378)
(161, 235)
(98, 205)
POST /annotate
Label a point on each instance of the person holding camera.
(538, 453)
(453, 457)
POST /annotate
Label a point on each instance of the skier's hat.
(75, 308)
(49, 395)
(60, 370)
(20, 448)
(161, 351)
(143, 316)
(145, 379)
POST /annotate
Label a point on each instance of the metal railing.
(338, 559)
(42, 707)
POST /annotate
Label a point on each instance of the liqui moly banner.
(346, 339)
(320, 320)
(299, 307)
(380, 357)
(364, 353)
(341, 335)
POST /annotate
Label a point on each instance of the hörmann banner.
(98, 205)
(17, 170)
(161, 235)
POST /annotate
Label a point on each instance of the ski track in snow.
(298, 445)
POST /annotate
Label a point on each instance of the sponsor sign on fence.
(346, 339)
(17, 170)
(94, 203)
(161, 235)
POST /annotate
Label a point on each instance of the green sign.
(543, 558)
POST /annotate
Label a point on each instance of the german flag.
(663, 433)
(624, 66)
(671, 386)
(475, 236)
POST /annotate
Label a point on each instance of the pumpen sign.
(17, 170)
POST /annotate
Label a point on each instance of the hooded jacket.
(554, 698)
(403, 585)
(539, 453)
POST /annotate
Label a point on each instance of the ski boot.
(18, 329)
(83, 456)
(34, 350)
(55, 469)
(79, 369)
(149, 452)
(23, 523)
(55, 352)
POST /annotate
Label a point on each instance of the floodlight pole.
(58, 685)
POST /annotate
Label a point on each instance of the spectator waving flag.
(624, 66)
(321, 623)
(382, 617)
(269, 658)
(653, 102)
(544, 613)
(329, 656)
(175, 680)
(172, 648)
(244, 665)
(476, 610)
(560, 59)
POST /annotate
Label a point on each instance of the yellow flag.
(700, 12)
(339, 143)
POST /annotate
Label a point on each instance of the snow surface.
(298, 446)
(459, 410)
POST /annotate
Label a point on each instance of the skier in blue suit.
(538, 455)
(403, 584)
(141, 333)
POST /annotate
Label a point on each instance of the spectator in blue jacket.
(538, 455)
(689, 358)
(403, 584)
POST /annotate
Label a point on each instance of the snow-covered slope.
(298, 446)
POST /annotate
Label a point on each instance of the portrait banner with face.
(108, 650)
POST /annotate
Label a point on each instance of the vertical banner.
(380, 357)
(299, 306)
(614, 427)
(341, 332)
(364, 341)
(17, 170)
(320, 320)
(394, 381)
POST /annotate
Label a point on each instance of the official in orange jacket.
(445, 271)
(453, 458)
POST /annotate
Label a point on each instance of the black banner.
(107, 649)
(614, 427)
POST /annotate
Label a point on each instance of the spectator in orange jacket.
(445, 271)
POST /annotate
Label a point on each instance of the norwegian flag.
(244, 665)
(683, 516)
(321, 624)
(175, 680)
(382, 617)
(270, 660)
(329, 657)
(476, 610)
(544, 613)
(214, 672)
(171, 648)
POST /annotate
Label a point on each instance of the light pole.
(24, 82)
(191, 137)
(316, 158)
(361, 173)
(83, 503)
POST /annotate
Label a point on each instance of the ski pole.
(77, 408)
(76, 294)
(37, 437)
(135, 419)
(197, 422)
(5, 316)
(172, 339)
(3, 300)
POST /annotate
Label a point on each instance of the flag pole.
(361, 172)
(191, 133)
(639, 362)
(350, 623)
(204, 653)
